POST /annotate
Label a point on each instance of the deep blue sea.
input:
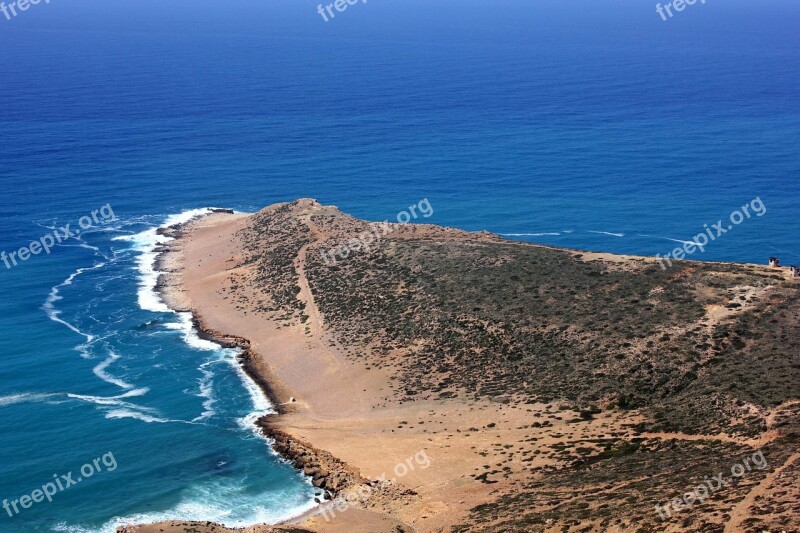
(575, 123)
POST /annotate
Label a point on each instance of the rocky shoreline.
(327, 472)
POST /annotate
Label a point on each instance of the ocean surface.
(579, 124)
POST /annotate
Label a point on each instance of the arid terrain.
(440, 380)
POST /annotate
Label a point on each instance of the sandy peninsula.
(432, 381)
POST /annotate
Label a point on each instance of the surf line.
(153, 249)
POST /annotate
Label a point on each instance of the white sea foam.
(81, 244)
(115, 401)
(221, 501)
(207, 392)
(54, 314)
(260, 401)
(217, 503)
(680, 241)
(666, 238)
(190, 336)
(128, 413)
(100, 371)
(83, 348)
(529, 234)
(145, 243)
(25, 397)
(608, 233)
(189, 333)
(116, 407)
(101, 401)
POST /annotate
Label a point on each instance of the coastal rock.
(327, 472)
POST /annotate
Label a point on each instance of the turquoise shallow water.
(573, 124)
(117, 373)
